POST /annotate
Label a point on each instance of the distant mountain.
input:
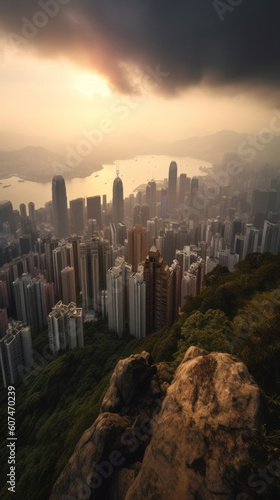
(38, 164)
(213, 147)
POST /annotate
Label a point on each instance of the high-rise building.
(30, 302)
(117, 305)
(137, 304)
(16, 355)
(4, 301)
(137, 246)
(94, 210)
(50, 298)
(270, 238)
(118, 207)
(3, 322)
(22, 211)
(263, 201)
(62, 257)
(65, 327)
(164, 203)
(95, 261)
(251, 240)
(194, 189)
(7, 215)
(68, 285)
(151, 197)
(59, 204)
(77, 215)
(172, 187)
(182, 189)
(32, 215)
(159, 288)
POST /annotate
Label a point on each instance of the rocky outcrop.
(203, 431)
(188, 447)
(106, 459)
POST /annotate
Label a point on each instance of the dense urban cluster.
(133, 261)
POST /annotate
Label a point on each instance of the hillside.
(237, 313)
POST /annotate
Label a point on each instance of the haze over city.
(139, 249)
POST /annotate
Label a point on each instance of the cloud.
(187, 38)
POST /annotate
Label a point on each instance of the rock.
(122, 481)
(203, 431)
(99, 449)
(130, 378)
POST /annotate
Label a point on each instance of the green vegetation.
(236, 312)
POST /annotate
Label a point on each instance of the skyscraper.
(137, 246)
(117, 295)
(59, 200)
(118, 207)
(151, 193)
(137, 304)
(68, 285)
(159, 289)
(7, 215)
(16, 355)
(77, 215)
(65, 327)
(172, 187)
(94, 209)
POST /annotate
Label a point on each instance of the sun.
(91, 85)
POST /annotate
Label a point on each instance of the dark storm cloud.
(186, 38)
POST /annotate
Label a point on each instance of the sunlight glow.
(91, 85)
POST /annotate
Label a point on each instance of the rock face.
(106, 459)
(188, 447)
(202, 431)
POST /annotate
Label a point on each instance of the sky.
(139, 70)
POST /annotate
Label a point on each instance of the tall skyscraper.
(30, 300)
(65, 327)
(159, 289)
(172, 187)
(7, 215)
(118, 206)
(194, 189)
(117, 295)
(59, 200)
(4, 301)
(137, 246)
(271, 238)
(94, 209)
(62, 257)
(16, 355)
(77, 215)
(182, 188)
(3, 322)
(164, 203)
(68, 285)
(151, 197)
(137, 304)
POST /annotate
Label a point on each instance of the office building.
(7, 215)
(77, 216)
(118, 206)
(59, 206)
(172, 187)
(94, 210)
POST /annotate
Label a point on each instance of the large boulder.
(203, 431)
(106, 459)
(131, 377)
